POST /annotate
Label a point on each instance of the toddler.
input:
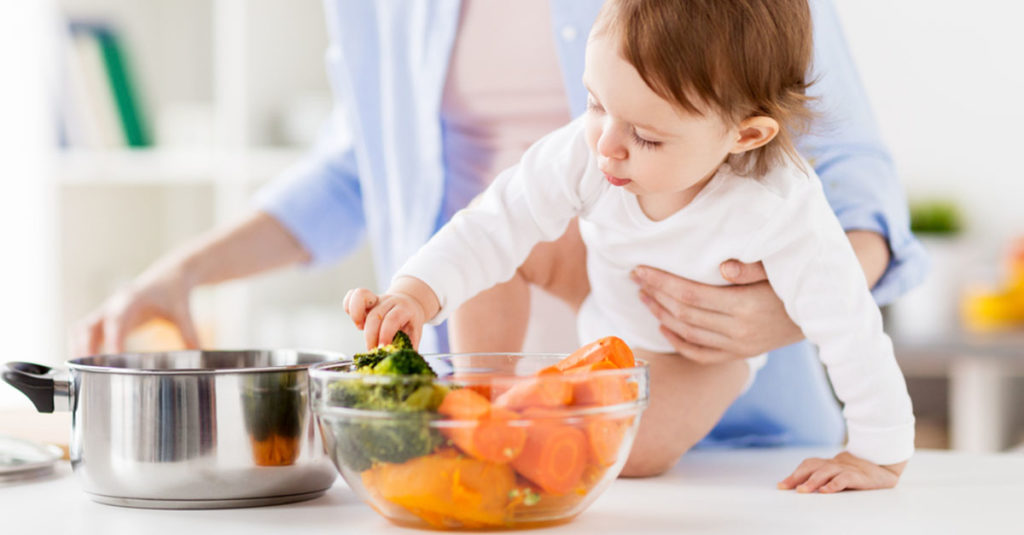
(684, 159)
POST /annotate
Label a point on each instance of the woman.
(432, 98)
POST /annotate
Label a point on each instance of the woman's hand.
(842, 472)
(711, 324)
(162, 292)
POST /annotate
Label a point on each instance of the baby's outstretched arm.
(406, 306)
(842, 472)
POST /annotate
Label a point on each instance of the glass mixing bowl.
(492, 442)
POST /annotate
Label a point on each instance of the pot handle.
(46, 387)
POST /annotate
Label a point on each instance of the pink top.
(504, 91)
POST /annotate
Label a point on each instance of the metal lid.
(24, 459)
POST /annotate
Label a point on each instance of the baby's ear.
(754, 132)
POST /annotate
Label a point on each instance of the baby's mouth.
(616, 181)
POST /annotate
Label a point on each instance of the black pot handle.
(34, 380)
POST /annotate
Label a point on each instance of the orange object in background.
(986, 309)
(154, 335)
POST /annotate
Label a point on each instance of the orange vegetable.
(599, 390)
(555, 454)
(464, 404)
(547, 390)
(445, 489)
(602, 391)
(610, 347)
(487, 434)
(488, 385)
(605, 436)
(275, 450)
(547, 505)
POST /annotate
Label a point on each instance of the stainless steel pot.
(187, 429)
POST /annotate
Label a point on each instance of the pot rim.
(79, 366)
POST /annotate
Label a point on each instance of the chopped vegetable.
(605, 436)
(548, 390)
(406, 433)
(599, 389)
(396, 358)
(555, 454)
(486, 432)
(445, 489)
(610, 347)
(527, 457)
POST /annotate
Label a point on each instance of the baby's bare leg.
(496, 319)
(686, 401)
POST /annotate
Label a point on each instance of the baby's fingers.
(399, 318)
(842, 481)
(358, 303)
(801, 473)
(819, 477)
(371, 329)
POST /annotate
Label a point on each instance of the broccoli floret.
(406, 433)
(401, 341)
(403, 362)
(371, 358)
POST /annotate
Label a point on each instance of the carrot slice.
(548, 390)
(599, 390)
(602, 391)
(464, 404)
(603, 364)
(605, 436)
(495, 439)
(610, 347)
(488, 436)
(554, 457)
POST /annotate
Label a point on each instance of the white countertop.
(708, 492)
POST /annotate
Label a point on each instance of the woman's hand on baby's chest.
(711, 324)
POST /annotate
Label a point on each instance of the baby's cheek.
(592, 131)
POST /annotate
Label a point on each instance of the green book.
(125, 95)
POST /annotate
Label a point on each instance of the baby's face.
(643, 142)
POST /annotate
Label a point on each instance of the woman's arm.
(254, 245)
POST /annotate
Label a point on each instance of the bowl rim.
(320, 374)
(321, 370)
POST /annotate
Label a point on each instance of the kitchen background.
(172, 112)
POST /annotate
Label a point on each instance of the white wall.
(946, 79)
(28, 315)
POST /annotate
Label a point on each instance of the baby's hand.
(382, 317)
(842, 472)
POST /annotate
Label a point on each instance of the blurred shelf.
(172, 166)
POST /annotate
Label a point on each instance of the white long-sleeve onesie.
(781, 219)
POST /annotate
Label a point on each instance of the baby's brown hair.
(743, 58)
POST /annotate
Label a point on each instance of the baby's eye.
(645, 143)
(593, 105)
